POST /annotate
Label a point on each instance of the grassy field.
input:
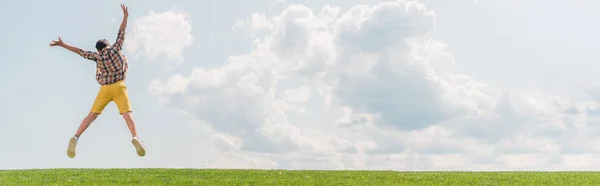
(281, 177)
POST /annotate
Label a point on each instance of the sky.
(306, 84)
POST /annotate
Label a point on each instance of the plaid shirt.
(111, 64)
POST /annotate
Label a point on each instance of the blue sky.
(356, 84)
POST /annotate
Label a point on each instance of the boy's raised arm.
(121, 35)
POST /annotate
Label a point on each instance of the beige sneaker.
(139, 147)
(71, 148)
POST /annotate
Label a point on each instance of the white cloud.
(370, 89)
(255, 27)
(164, 34)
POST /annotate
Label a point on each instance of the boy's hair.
(101, 44)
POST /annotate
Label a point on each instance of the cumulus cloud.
(156, 35)
(369, 88)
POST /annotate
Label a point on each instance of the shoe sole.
(138, 148)
(71, 148)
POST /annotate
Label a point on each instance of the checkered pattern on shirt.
(111, 64)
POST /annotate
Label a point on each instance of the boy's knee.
(126, 114)
(93, 115)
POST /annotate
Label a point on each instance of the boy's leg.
(130, 122)
(85, 123)
(121, 99)
(139, 147)
(102, 99)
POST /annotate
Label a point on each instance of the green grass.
(283, 177)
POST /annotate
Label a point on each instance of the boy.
(111, 71)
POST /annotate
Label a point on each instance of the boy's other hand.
(125, 12)
(57, 43)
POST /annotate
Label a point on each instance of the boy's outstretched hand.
(68, 47)
(125, 12)
(57, 43)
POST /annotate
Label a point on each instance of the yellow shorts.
(116, 92)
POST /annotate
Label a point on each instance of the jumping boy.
(111, 71)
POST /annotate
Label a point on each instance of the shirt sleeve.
(120, 39)
(88, 55)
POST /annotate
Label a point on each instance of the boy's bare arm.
(85, 54)
(60, 43)
(125, 16)
(121, 35)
